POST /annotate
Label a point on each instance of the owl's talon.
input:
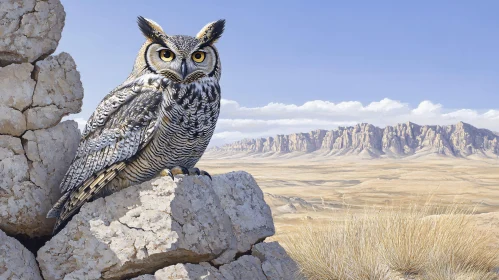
(206, 174)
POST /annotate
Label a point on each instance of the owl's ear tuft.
(211, 32)
(150, 29)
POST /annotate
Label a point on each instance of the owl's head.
(180, 58)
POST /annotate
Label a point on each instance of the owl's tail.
(70, 203)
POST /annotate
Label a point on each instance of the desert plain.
(305, 188)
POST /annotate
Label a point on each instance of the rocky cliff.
(37, 89)
(459, 140)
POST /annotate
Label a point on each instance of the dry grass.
(410, 243)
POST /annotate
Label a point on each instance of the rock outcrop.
(16, 262)
(36, 91)
(460, 140)
(184, 229)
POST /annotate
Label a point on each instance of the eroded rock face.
(460, 140)
(160, 223)
(29, 29)
(16, 262)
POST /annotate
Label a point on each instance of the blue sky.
(293, 52)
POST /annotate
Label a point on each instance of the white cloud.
(237, 122)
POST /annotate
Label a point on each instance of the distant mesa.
(368, 141)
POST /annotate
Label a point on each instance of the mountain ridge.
(401, 140)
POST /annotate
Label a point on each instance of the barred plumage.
(162, 117)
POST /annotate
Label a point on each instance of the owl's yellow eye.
(198, 57)
(166, 55)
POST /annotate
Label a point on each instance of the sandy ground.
(304, 188)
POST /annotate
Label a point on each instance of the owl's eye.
(198, 57)
(166, 55)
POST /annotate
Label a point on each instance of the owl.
(159, 120)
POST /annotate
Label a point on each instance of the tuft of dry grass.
(411, 243)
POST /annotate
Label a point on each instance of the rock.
(29, 29)
(58, 83)
(246, 267)
(159, 223)
(16, 86)
(16, 262)
(30, 174)
(243, 201)
(276, 263)
(184, 272)
(460, 140)
(12, 121)
(43, 117)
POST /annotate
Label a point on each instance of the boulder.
(30, 173)
(16, 262)
(276, 263)
(30, 29)
(58, 83)
(157, 224)
(12, 121)
(16, 86)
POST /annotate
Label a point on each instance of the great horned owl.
(160, 119)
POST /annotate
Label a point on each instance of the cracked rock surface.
(30, 29)
(157, 224)
(16, 262)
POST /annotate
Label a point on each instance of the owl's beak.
(183, 68)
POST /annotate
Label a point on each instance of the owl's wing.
(123, 123)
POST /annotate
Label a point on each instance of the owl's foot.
(184, 171)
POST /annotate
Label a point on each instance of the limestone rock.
(48, 166)
(16, 86)
(58, 83)
(12, 121)
(29, 29)
(246, 267)
(156, 224)
(30, 174)
(185, 272)
(16, 262)
(459, 140)
(243, 201)
(276, 263)
(43, 117)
